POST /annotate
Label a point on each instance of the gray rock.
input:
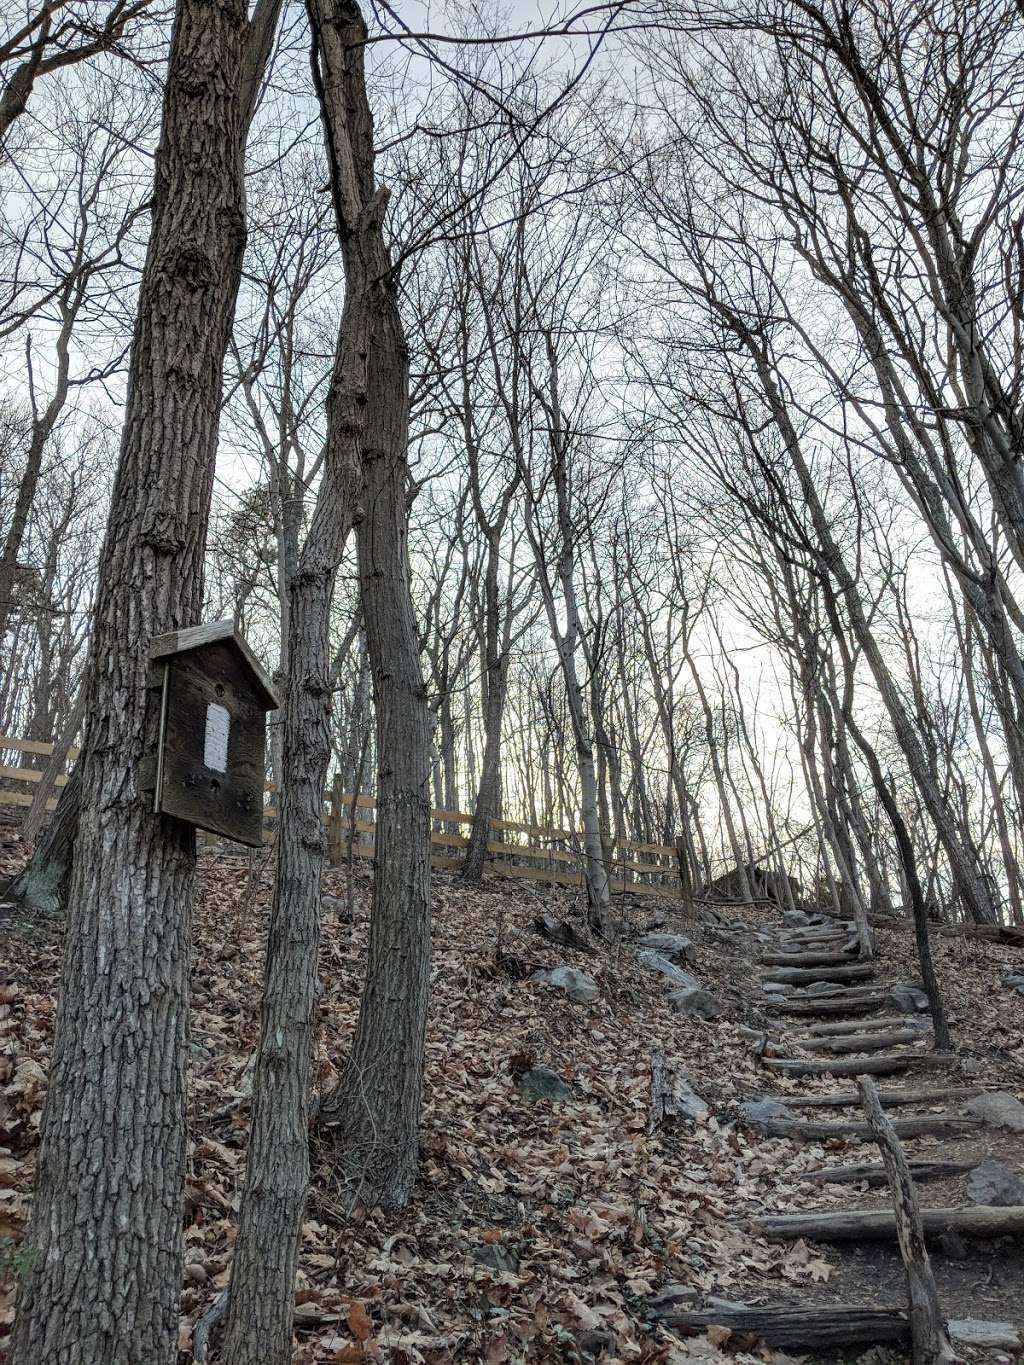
(676, 947)
(755, 1112)
(1015, 981)
(497, 1258)
(685, 1102)
(908, 999)
(541, 1083)
(675, 976)
(672, 1298)
(994, 1183)
(774, 988)
(696, 1002)
(577, 985)
(1004, 1336)
(999, 1108)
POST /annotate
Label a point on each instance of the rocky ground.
(549, 1224)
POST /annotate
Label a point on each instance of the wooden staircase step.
(806, 959)
(873, 1172)
(885, 1064)
(847, 971)
(884, 1021)
(858, 1042)
(846, 1099)
(829, 1327)
(855, 1225)
(827, 1004)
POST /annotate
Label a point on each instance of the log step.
(858, 1042)
(835, 990)
(805, 959)
(924, 1125)
(796, 976)
(884, 1065)
(843, 1099)
(855, 1225)
(833, 926)
(828, 1004)
(885, 1021)
(873, 1172)
(828, 1328)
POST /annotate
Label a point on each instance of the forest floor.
(540, 1231)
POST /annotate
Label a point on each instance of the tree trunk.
(373, 1111)
(104, 1273)
(261, 1305)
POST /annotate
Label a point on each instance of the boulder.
(695, 1001)
(993, 1183)
(999, 1108)
(1015, 981)
(577, 985)
(908, 999)
(756, 1112)
(795, 919)
(774, 988)
(675, 976)
(676, 947)
(541, 1083)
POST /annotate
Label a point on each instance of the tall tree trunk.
(104, 1271)
(261, 1302)
(374, 1108)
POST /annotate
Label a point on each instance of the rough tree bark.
(104, 1271)
(260, 1311)
(43, 885)
(373, 1111)
(262, 1291)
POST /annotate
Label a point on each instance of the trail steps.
(816, 973)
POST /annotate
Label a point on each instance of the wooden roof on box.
(194, 637)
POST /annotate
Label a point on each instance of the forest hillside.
(557, 1215)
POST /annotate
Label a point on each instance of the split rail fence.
(546, 855)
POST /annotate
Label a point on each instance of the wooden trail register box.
(208, 765)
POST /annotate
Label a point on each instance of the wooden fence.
(552, 855)
(548, 855)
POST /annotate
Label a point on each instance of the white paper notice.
(218, 726)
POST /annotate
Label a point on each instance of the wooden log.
(808, 959)
(918, 1125)
(886, 1021)
(828, 1004)
(841, 1099)
(930, 1341)
(796, 976)
(884, 1065)
(873, 1172)
(858, 1042)
(836, 991)
(868, 1225)
(828, 1328)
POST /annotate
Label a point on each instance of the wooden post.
(931, 1344)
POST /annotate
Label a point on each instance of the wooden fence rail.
(547, 855)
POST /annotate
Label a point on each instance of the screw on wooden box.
(207, 762)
